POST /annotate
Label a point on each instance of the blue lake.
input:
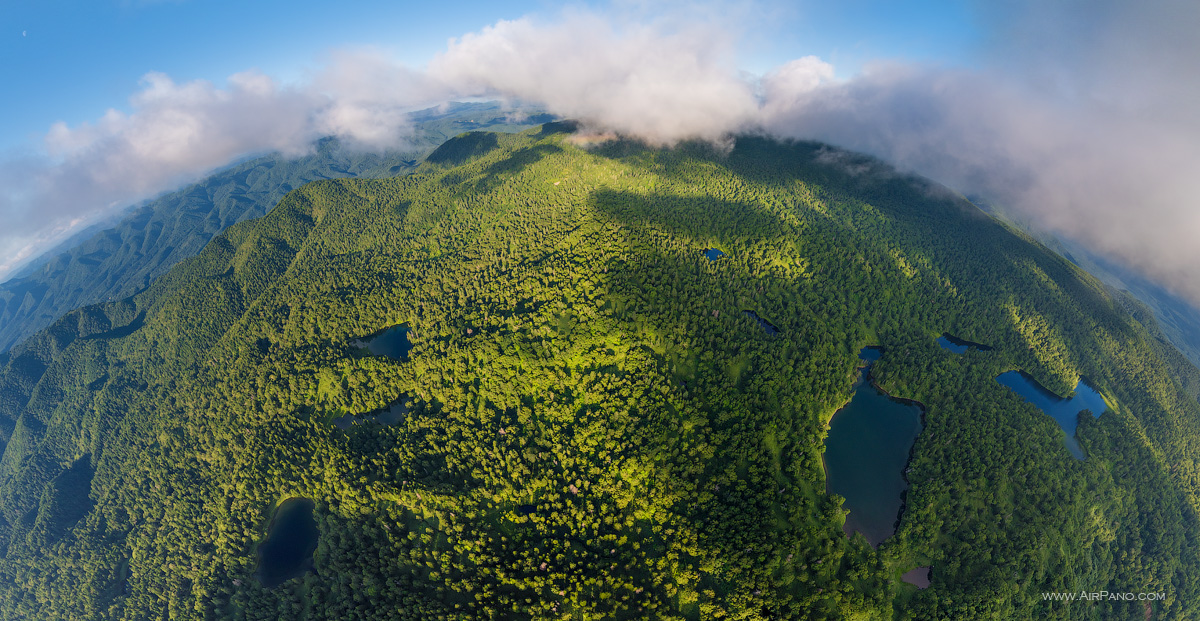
(392, 342)
(959, 346)
(866, 453)
(287, 551)
(1065, 412)
(762, 323)
(713, 254)
(870, 354)
(390, 415)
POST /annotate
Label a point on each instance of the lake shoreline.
(867, 378)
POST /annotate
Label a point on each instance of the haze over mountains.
(1045, 132)
(1076, 115)
(591, 422)
(113, 263)
(575, 345)
(1173, 319)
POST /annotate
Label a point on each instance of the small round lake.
(865, 454)
(1065, 412)
(287, 551)
(392, 342)
(713, 254)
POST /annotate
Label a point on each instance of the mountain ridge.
(118, 260)
(574, 351)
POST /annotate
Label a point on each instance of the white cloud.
(175, 133)
(1087, 124)
(1085, 119)
(662, 86)
(368, 95)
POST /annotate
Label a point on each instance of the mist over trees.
(597, 429)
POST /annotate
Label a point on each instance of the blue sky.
(1079, 114)
(71, 60)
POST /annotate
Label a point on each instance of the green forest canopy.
(574, 351)
(120, 260)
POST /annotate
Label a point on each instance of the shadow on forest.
(460, 149)
(700, 218)
(767, 161)
(557, 127)
(868, 196)
(494, 174)
(513, 164)
(722, 359)
(122, 331)
(68, 501)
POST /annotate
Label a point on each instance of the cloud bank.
(639, 80)
(175, 133)
(1085, 121)
(1081, 117)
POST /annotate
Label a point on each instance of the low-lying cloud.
(1082, 116)
(176, 132)
(1085, 122)
(173, 132)
(637, 80)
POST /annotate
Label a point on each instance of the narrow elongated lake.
(767, 326)
(1065, 412)
(959, 346)
(287, 551)
(390, 415)
(865, 455)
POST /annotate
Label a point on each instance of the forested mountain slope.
(1172, 319)
(122, 259)
(596, 429)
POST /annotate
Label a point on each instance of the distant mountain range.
(117, 258)
(1172, 321)
(593, 416)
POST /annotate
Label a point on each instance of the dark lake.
(287, 551)
(713, 254)
(392, 342)
(763, 323)
(390, 415)
(1065, 412)
(959, 346)
(865, 455)
(918, 577)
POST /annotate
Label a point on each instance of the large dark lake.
(287, 551)
(866, 453)
(1065, 412)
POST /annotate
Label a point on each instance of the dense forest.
(1170, 317)
(596, 429)
(114, 262)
